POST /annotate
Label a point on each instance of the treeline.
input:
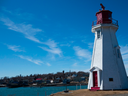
(62, 75)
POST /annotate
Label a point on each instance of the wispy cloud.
(75, 64)
(36, 61)
(51, 56)
(26, 29)
(53, 48)
(124, 51)
(126, 66)
(90, 45)
(30, 32)
(86, 70)
(48, 64)
(15, 48)
(82, 53)
(125, 57)
(84, 41)
(77, 70)
(18, 14)
(71, 41)
(65, 45)
(5, 10)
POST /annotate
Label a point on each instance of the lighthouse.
(107, 70)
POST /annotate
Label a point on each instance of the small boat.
(2, 85)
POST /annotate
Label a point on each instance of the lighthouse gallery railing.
(105, 21)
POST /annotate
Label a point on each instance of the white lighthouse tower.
(107, 68)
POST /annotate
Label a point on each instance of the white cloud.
(75, 64)
(65, 45)
(18, 14)
(84, 41)
(82, 53)
(5, 10)
(52, 47)
(126, 66)
(52, 50)
(86, 70)
(77, 70)
(14, 48)
(72, 41)
(30, 32)
(36, 61)
(125, 56)
(124, 51)
(50, 43)
(90, 45)
(26, 29)
(48, 64)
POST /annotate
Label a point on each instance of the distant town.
(40, 80)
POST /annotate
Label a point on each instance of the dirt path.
(86, 92)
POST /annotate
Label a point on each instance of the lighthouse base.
(95, 88)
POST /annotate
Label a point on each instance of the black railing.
(105, 21)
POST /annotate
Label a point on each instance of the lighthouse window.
(110, 79)
(118, 53)
(109, 16)
(98, 34)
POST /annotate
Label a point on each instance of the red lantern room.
(104, 17)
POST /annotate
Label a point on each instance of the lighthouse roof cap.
(103, 11)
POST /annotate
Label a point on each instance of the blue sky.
(49, 36)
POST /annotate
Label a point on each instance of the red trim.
(39, 79)
(95, 88)
(104, 17)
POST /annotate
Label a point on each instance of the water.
(35, 91)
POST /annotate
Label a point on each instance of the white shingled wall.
(106, 59)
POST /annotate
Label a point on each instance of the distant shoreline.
(50, 85)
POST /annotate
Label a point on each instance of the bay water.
(36, 91)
